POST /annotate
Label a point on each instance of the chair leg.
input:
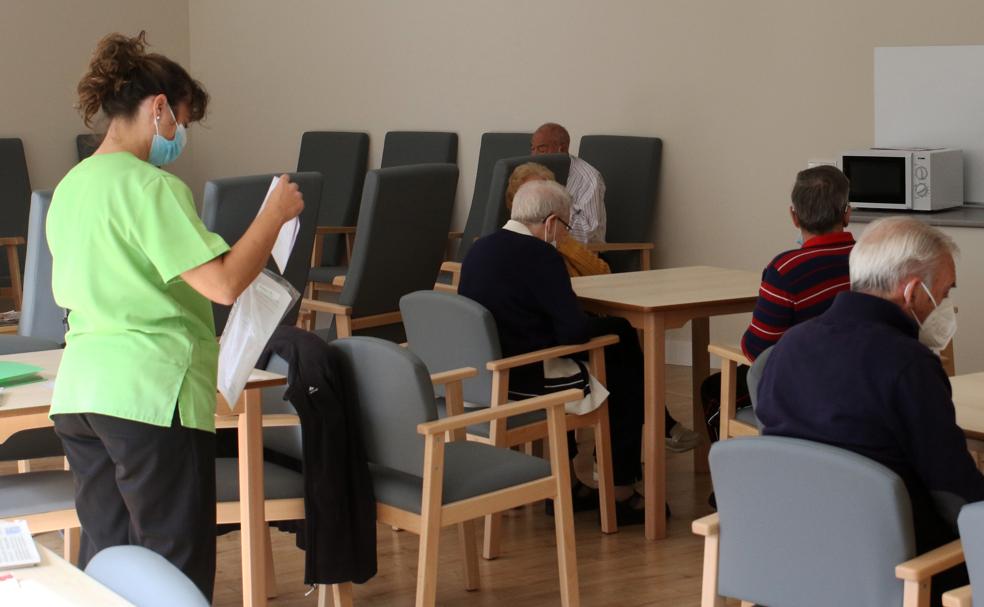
(341, 595)
(915, 594)
(430, 521)
(606, 482)
(563, 516)
(271, 572)
(72, 538)
(469, 550)
(709, 596)
(490, 543)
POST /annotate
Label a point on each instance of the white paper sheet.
(253, 318)
(287, 236)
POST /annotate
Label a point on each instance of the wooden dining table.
(653, 302)
(968, 400)
(26, 406)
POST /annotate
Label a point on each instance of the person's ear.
(792, 215)
(909, 292)
(847, 216)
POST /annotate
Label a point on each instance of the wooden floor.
(622, 569)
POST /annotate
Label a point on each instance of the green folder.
(12, 374)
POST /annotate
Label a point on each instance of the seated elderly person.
(577, 258)
(522, 281)
(866, 375)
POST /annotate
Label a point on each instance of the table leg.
(700, 369)
(251, 506)
(654, 434)
(13, 262)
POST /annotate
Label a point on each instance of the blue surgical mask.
(165, 151)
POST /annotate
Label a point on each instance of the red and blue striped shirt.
(797, 286)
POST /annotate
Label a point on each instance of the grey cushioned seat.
(17, 344)
(144, 578)
(36, 492)
(971, 523)
(747, 415)
(515, 421)
(500, 468)
(278, 482)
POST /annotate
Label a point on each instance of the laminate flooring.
(621, 569)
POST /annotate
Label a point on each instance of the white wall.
(45, 46)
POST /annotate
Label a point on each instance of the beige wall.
(45, 46)
(742, 93)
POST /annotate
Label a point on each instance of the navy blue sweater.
(856, 377)
(524, 284)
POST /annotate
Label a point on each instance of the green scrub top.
(141, 340)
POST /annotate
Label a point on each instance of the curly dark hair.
(122, 74)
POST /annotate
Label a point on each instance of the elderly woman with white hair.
(520, 277)
(866, 376)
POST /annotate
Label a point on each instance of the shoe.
(681, 438)
(583, 498)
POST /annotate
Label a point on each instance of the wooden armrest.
(448, 424)
(619, 246)
(708, 525)
(451, 266)
(11, 241)
(326, 306)
(732, 353)
(958, 597)
(322, 230)
(447, 377)
(338, 281)
(547, 353)
(930, 563)
(273, 420)
(454, 234)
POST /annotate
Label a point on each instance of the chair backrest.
(403, 233)
(15, 196)
(755, 374)
(393, 392)
(630, 167)
(495, 147)
(231, 204)
(144, 578)
(341, 158)
(806, 524)
(496, 213)
(971, 523)
(86, 144)
(401, 148)
(40, 316)
(449, 331)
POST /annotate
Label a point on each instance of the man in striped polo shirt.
(584, 184)
(802, 283)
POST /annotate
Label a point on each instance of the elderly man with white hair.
(521, 279)
(866, 375)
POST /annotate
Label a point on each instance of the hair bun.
(113, 62)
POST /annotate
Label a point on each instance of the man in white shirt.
(584, 183)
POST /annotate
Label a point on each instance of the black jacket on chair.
(339, 504)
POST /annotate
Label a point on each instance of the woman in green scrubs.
(134, 400)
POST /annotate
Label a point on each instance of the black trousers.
(144, 485)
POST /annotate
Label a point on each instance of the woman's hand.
(286, 200)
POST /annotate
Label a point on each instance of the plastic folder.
(12, 373)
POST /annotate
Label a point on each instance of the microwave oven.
(913, 179)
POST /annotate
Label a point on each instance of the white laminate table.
(56, 583)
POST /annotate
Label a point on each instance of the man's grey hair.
(894, 249)
(536, 200)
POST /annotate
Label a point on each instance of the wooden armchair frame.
(731, 357)
(915, 573)
(958, 597)
(644, 249)
(317, 253)
(345, 324)
(15, 290)
(434, 514)
(501, 436)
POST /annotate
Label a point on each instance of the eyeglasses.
(567, 226)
